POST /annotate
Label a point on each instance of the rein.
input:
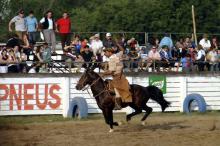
(86, 88)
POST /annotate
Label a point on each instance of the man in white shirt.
(97, 45)
(20, 27)
(48, 26)
(205, 43)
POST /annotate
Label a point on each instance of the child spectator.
(186, 63)
(200, 58)
(165, 59)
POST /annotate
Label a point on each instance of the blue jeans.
(32, 37)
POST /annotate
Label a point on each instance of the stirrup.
(117, 106)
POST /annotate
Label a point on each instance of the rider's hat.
(109, 50)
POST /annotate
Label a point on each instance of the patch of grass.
(59, 118)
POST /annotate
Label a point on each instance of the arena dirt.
(160, 130)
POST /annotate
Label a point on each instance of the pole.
(194, 25)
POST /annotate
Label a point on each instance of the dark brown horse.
(106, 101)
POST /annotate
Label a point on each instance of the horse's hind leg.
(136, 112)
(148, 111)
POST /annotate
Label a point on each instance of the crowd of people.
(158, 55)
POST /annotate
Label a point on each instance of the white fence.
(46, 94)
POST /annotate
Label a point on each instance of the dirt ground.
(168, 129)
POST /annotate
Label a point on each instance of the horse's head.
(88, 77)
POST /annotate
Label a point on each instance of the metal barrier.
(68, 66)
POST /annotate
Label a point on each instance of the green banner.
(158, 81)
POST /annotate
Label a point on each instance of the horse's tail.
(157, 95)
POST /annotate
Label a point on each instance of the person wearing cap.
(19, 22)
(32, 26)
(63, 27)
(108, 42)
(119, 82)
(88, 56)
(97, 45)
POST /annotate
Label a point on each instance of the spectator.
(13, 66)
(97, 45)
(215, 43)
(108, 42)
(13, 42)
(186, 63)
(3, 61)
(32, 26)
(179, 44)
(187, 43)
(200, 58)
(218, 52)
(38, 59)
(154, 59)
(205, 43)
(165, 59)
(84, 43)
(63, 26)
(20, 27)
(48, 26)
(46, 55)
(167, 41)
(88, 56)
(212, 58)
(76, 43)
(143, 58)
(134, 58)
(133, 44)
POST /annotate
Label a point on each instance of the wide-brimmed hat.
(108, 50)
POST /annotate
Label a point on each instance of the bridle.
(86, 87)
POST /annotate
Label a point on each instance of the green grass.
(59, 118)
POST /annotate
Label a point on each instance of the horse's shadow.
(162, 126)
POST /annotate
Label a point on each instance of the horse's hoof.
(143, 123)
(111, 130)
(128, 119)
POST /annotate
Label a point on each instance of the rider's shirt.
(115, 64)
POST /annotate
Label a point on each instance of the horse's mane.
(98, 76)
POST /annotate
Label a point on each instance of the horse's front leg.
(108, 114)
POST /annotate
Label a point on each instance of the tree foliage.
(126, 15)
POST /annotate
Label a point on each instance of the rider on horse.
(120, 83)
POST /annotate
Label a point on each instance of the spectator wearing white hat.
(108, 42)
(96, 45)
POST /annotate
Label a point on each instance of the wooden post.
(194, 25)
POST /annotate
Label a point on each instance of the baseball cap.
(108, 34)
(96, 35)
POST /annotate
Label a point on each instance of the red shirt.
(64, 25)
